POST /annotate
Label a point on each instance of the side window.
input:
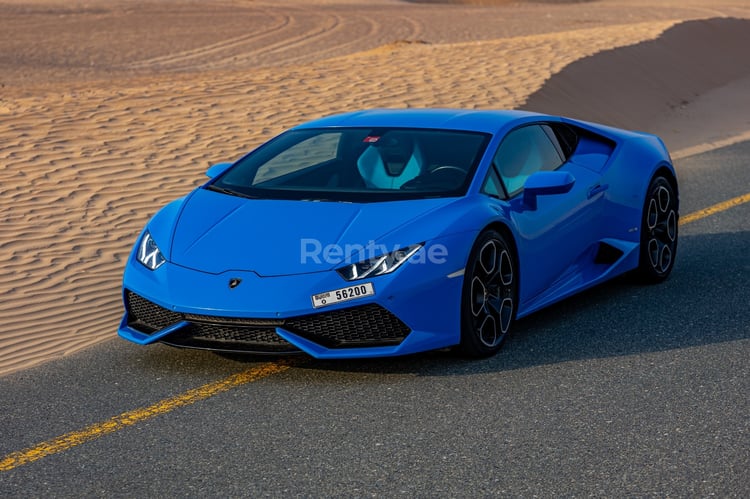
(564, 136)
(309, 152)
(492, 185)
(524, 151)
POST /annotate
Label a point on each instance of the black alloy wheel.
(658, 231)
(490, 295)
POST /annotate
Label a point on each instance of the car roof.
(486, 121)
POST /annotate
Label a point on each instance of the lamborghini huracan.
(389, 232)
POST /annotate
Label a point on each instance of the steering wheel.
(447, 168)
(441, 177)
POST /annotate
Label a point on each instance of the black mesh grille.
(230, 337)
(364, 326)
(222, 332)
(212, 319)
(367, 325)
(148, 317)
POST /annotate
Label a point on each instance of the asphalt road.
(621, 391)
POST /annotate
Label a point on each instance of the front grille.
(220, 332)
(148, 317)
(230, 337)
(214, 319)
(366, 325)
(363, 326)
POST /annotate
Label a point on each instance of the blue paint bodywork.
(208, 237)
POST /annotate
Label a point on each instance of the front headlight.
(149, 254)
(380, 265)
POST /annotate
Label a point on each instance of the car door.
(561, 233)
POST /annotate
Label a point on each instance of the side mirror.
(217, 169)
(544, 184)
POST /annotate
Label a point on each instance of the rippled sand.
(111, 108)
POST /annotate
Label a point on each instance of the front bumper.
(363, 326)
(415, 309)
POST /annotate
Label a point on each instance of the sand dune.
(48, 42)
(88, 155)
(632, 87)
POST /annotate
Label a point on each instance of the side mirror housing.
(217, 169)
(544, 184)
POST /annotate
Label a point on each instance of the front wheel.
(490, 295)
(658, 231)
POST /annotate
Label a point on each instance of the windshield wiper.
(231, 192)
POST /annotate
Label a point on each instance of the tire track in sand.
(181, 59)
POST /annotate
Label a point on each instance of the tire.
(489, 298)
(659, 227)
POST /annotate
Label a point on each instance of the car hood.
(217, 232)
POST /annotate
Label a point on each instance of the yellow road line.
(725, 205)
(130, 418)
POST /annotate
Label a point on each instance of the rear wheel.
(658, 231)
(490, 295)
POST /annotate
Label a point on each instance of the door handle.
(597, 189)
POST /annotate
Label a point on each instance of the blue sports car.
(389, 232)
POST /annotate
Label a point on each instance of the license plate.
(343, 294)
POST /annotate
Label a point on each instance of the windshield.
(357, 165)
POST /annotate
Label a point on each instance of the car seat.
(390, 162)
